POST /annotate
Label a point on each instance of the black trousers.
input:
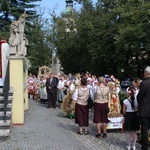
(145, 122)
(51, 99)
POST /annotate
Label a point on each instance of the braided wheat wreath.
(114, 105)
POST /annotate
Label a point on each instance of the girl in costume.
(131, 123)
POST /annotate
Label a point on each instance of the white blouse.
(128, 105)
(81, 95)
(61, 84)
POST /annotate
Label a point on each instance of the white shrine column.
(4, 53)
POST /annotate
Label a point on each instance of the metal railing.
(6, 88)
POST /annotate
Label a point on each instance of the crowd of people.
(37, 87)
(74, 93)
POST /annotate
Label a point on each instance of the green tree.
(39, 50)
(11, 10)
(102, 47)
(72, 45)
(133, 37)
(112, 35)
(5, 8)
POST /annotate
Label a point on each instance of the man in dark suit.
(143, 99)
(51, 87)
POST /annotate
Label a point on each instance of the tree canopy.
(38, 51)
(111, 36)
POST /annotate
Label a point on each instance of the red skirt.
(30, 91)
(100, 113)
(82, 115)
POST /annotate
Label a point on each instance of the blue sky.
(50, 5)
(57, 5)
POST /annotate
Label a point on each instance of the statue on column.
(18, 40)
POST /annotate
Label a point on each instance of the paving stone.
(49, 129)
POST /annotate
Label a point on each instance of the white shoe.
(133, 148)
(128, 148)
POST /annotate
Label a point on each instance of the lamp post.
(53, 37)
(52, 58)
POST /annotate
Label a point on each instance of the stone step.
(3, 123)
(10, 90)
(4, 127)
(7, 109)
(2, 100)
(9, 98)
(9, 94)
(5, 132)
(8, 105)
(7, 118)
(8, 113)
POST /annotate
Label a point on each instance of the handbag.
(90, 103)
(107, 110)
(65, 91)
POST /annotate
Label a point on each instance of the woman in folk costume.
(71, 90)
(68, 105)
(136, 84)
(61, 87)
(94, 80)
(88, 76)
(101, 107)
(30, 85)
(81, 97)
(30, 89)
(42, 88)
(36, 84)
(74, 84)
(77, 80)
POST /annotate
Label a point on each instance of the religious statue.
(18, 40)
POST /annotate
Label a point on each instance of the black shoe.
(54, 107)
(48, 107)
(80, 132)
(86, 132)
(104, 135)
(98, 135)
